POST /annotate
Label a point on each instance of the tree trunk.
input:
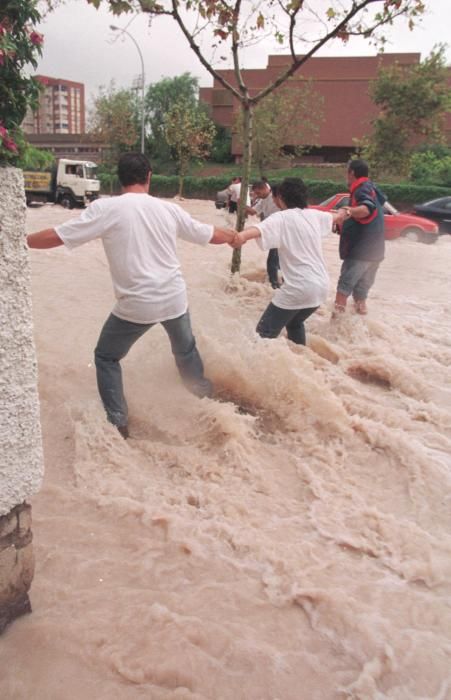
(181, 179)
(245, 178)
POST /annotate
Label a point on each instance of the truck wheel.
(67, 201)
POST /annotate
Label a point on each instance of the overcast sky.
(78, 45)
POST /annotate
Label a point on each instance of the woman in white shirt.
(297, 232)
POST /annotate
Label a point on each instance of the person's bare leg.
(360, 306)
(340, 302)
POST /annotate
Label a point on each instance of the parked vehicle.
(438, 210)
(397, 224)
(72, 183)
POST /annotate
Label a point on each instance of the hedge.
(402, 195)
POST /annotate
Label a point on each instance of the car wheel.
(67, 201)
(413, 234)
(429, 238)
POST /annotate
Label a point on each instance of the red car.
(416, 228)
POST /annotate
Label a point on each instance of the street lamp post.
(124, 31)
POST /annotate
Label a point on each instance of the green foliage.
(221, 149)
(413, 103)
(115, 120)
(404, 196)
(160, 99)
(20, 45)
(109, 181)
(189, 132)
(35, 159)
(429, 168)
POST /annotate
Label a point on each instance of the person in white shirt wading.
(139, 234)
(297, 232)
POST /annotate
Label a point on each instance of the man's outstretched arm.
(48, 238)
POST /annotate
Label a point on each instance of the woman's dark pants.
(275, 319)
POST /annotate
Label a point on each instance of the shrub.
(429, 167)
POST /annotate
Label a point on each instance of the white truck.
(72, 183)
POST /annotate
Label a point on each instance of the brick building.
(61, 108)
(342, 82)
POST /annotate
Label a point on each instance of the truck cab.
(76, 183)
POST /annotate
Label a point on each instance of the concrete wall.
(21, 462)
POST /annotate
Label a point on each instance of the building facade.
(341, 82)
(61, 108)
(75, 146)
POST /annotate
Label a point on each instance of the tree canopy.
(413, 102)
(190, 133)
(277, 117)
(114, 119)
(160, 99)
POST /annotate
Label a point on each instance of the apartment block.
(61, 108)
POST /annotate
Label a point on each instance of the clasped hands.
(237, 239)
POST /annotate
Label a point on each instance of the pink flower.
(6, 141)
(10, 145)
(36, 38)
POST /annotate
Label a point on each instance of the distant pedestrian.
(234, 191)
(362, 240)
(265, 205)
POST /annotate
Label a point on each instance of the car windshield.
(90, 172)
(390, 209)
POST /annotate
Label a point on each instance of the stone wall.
(21, 463)
(16, 563)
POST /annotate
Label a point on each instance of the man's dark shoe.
(123, 429)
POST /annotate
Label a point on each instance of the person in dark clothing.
(265, 205)
(362, 241)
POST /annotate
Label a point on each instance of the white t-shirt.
(298, 234)
(139, 234)
(266, 206)
(234, 191)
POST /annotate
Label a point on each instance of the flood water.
(296, 549)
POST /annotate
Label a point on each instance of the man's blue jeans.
(116, 339)
(357, 277)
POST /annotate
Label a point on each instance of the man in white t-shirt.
(139, 235)
(264, 207)
(297, 232)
